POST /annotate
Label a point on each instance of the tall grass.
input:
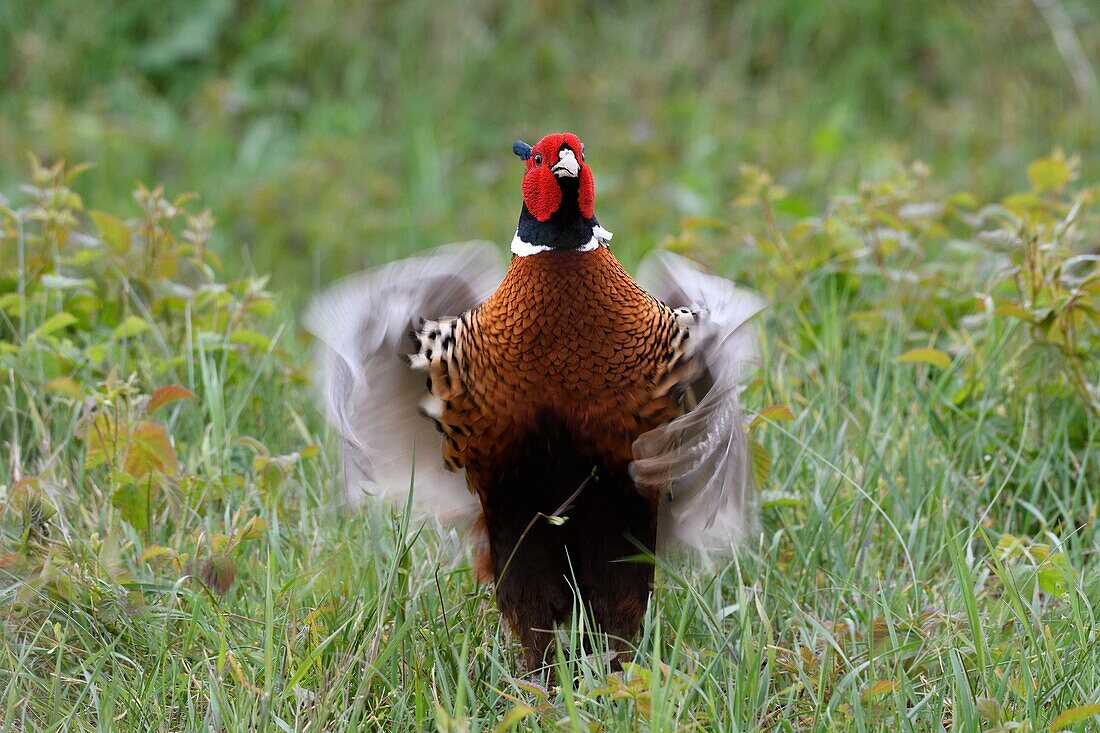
(171, 558)
(342, 133)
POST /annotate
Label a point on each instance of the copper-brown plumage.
(559, 375)
(536, 349)
(583, 420)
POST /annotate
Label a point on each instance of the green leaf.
(1015, 311)
(518, 713)
(12, 304)
(132, 501)
(935, 357)
(55, 323)
(115, 233)
(101, 440)
(761, 462)
(130, 327)
(154, 551)
(773, 413)
(245, 337)
(1049, 174)
(64, 386)
(1079, 714)
(253, 529)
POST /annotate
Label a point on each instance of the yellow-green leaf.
(130, 327)
(761, 462)
(220, 543)
(132, 501)
(64, 386)
(935, 357)
(154, 551)
(55, 323)
(12, 304)
(245, 337)
(878, 688)
(115, 233)
(514, 717)
(101, 440)
(1014, 310)
(1079, 714)
(253, 529)
(1049, 174)
(773, 413)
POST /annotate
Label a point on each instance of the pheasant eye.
(538, 158)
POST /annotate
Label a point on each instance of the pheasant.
(584, 422)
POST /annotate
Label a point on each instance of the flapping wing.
(371, 395)
(702, 457)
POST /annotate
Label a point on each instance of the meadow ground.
(925, 420)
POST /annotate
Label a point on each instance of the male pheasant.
(582, 420)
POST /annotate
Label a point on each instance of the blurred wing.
(371, 395)
(702, 457)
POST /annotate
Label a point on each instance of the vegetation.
(925, 421)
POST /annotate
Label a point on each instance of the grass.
(926, 560)
(927, 413)
(348, 133)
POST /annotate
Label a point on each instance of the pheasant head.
(559, 197)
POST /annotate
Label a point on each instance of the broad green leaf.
(1079, 714)
(245, 337)
(132, 501)
(1049, 174)
(101, 440)
(12, 304)
(65, 386)
(1015, 311)
(130, 327)
(55, 323)
(935, 357)
(115, 233)
(154, 551)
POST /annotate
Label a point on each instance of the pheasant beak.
(567, 166)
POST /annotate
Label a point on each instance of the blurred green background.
(326, 134)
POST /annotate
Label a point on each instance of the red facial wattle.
(541, 191)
